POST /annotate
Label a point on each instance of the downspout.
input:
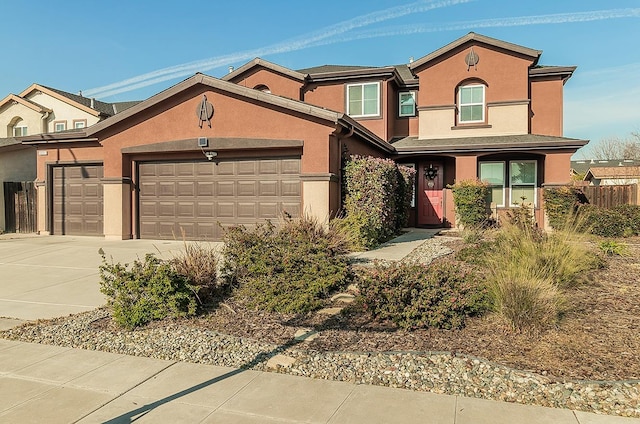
(44, 122)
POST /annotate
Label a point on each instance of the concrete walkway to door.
(50, 276)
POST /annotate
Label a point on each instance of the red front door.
(430, 193)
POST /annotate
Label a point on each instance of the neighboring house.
(613, 175)
(41, 110)
(267, 139)
(579, 168)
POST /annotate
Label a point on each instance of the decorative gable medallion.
(204, 111)
(472, 59)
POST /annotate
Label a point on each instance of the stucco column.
(557, 168)
(319, 194)
(41, 189)
(117, 208)
(466, 169)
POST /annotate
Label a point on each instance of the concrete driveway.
(50, 276)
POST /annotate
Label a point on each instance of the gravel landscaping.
(390, 358)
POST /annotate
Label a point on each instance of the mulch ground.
(597, 339)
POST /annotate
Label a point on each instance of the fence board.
(609, 196)
(20, 207)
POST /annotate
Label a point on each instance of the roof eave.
(265, 64)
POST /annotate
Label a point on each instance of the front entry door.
(430, 180)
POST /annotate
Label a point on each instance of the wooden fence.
(612, 195)
(20, 207)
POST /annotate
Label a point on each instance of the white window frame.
(404, 93)
(518, 202)
(461, 105)
(63, 124)
(22, 128)
(504, 179)
(79, 124)
(362, 114)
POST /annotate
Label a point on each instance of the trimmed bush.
(377, 198)
(469, 198)
(148, 290)
(619, 221)
(419, 296)
(289, 269)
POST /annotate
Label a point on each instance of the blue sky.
(132, 50)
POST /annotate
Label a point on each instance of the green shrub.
(476, 253)
(289, 269)
(146, 291)
(469, 198)
(198, 263)
(615, 222)
(377, 197)
(613, 248)
(561, 203)
(419, 296)
(528, 269)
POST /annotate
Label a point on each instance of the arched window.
(17, 127)
(262, 88)
(471, 103)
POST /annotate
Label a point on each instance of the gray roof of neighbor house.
(613, 172)
(411, 145)
(107, 109)
(582, 166)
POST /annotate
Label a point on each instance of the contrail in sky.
(339, 33)
(318, 37)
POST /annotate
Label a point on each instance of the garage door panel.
(77, 200)
(247, 188)
(201, 198)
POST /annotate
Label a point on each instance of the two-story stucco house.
(266, 139)
(41, 110)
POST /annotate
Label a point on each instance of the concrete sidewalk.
(49, 384)
(49, 276)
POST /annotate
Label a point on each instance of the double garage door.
(197, 199)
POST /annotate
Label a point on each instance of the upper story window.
(471, 103)
(79, 123)
(407, 102)
(60, 126)
(363, 99)
(19, 129)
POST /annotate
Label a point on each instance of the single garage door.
(77, 200)
(190, 198)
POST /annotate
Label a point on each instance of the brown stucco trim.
(436, 107)
(357, 73)
(191, 144)
(52, 138)
(265, 64)
(472, 36)
(60, 97)
(509, 103)
(319, 177)
(470, 126)
(25, 102)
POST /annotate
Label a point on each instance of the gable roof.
(337, 118)
(265, 64)
(612, 172)
(582, 166)
(25, 102)
(79, 102)
(472, 36)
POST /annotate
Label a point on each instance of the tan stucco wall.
(61, 111)
(15, 166)
(31, 118)
(503, 119)
(117, 210)
(316, 199)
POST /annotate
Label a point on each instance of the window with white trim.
(363, 99)
(79, 124)
(20, 130)
(60, 126)
(407, 102)
(493, 174)
(523, 182)
(471, 104)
